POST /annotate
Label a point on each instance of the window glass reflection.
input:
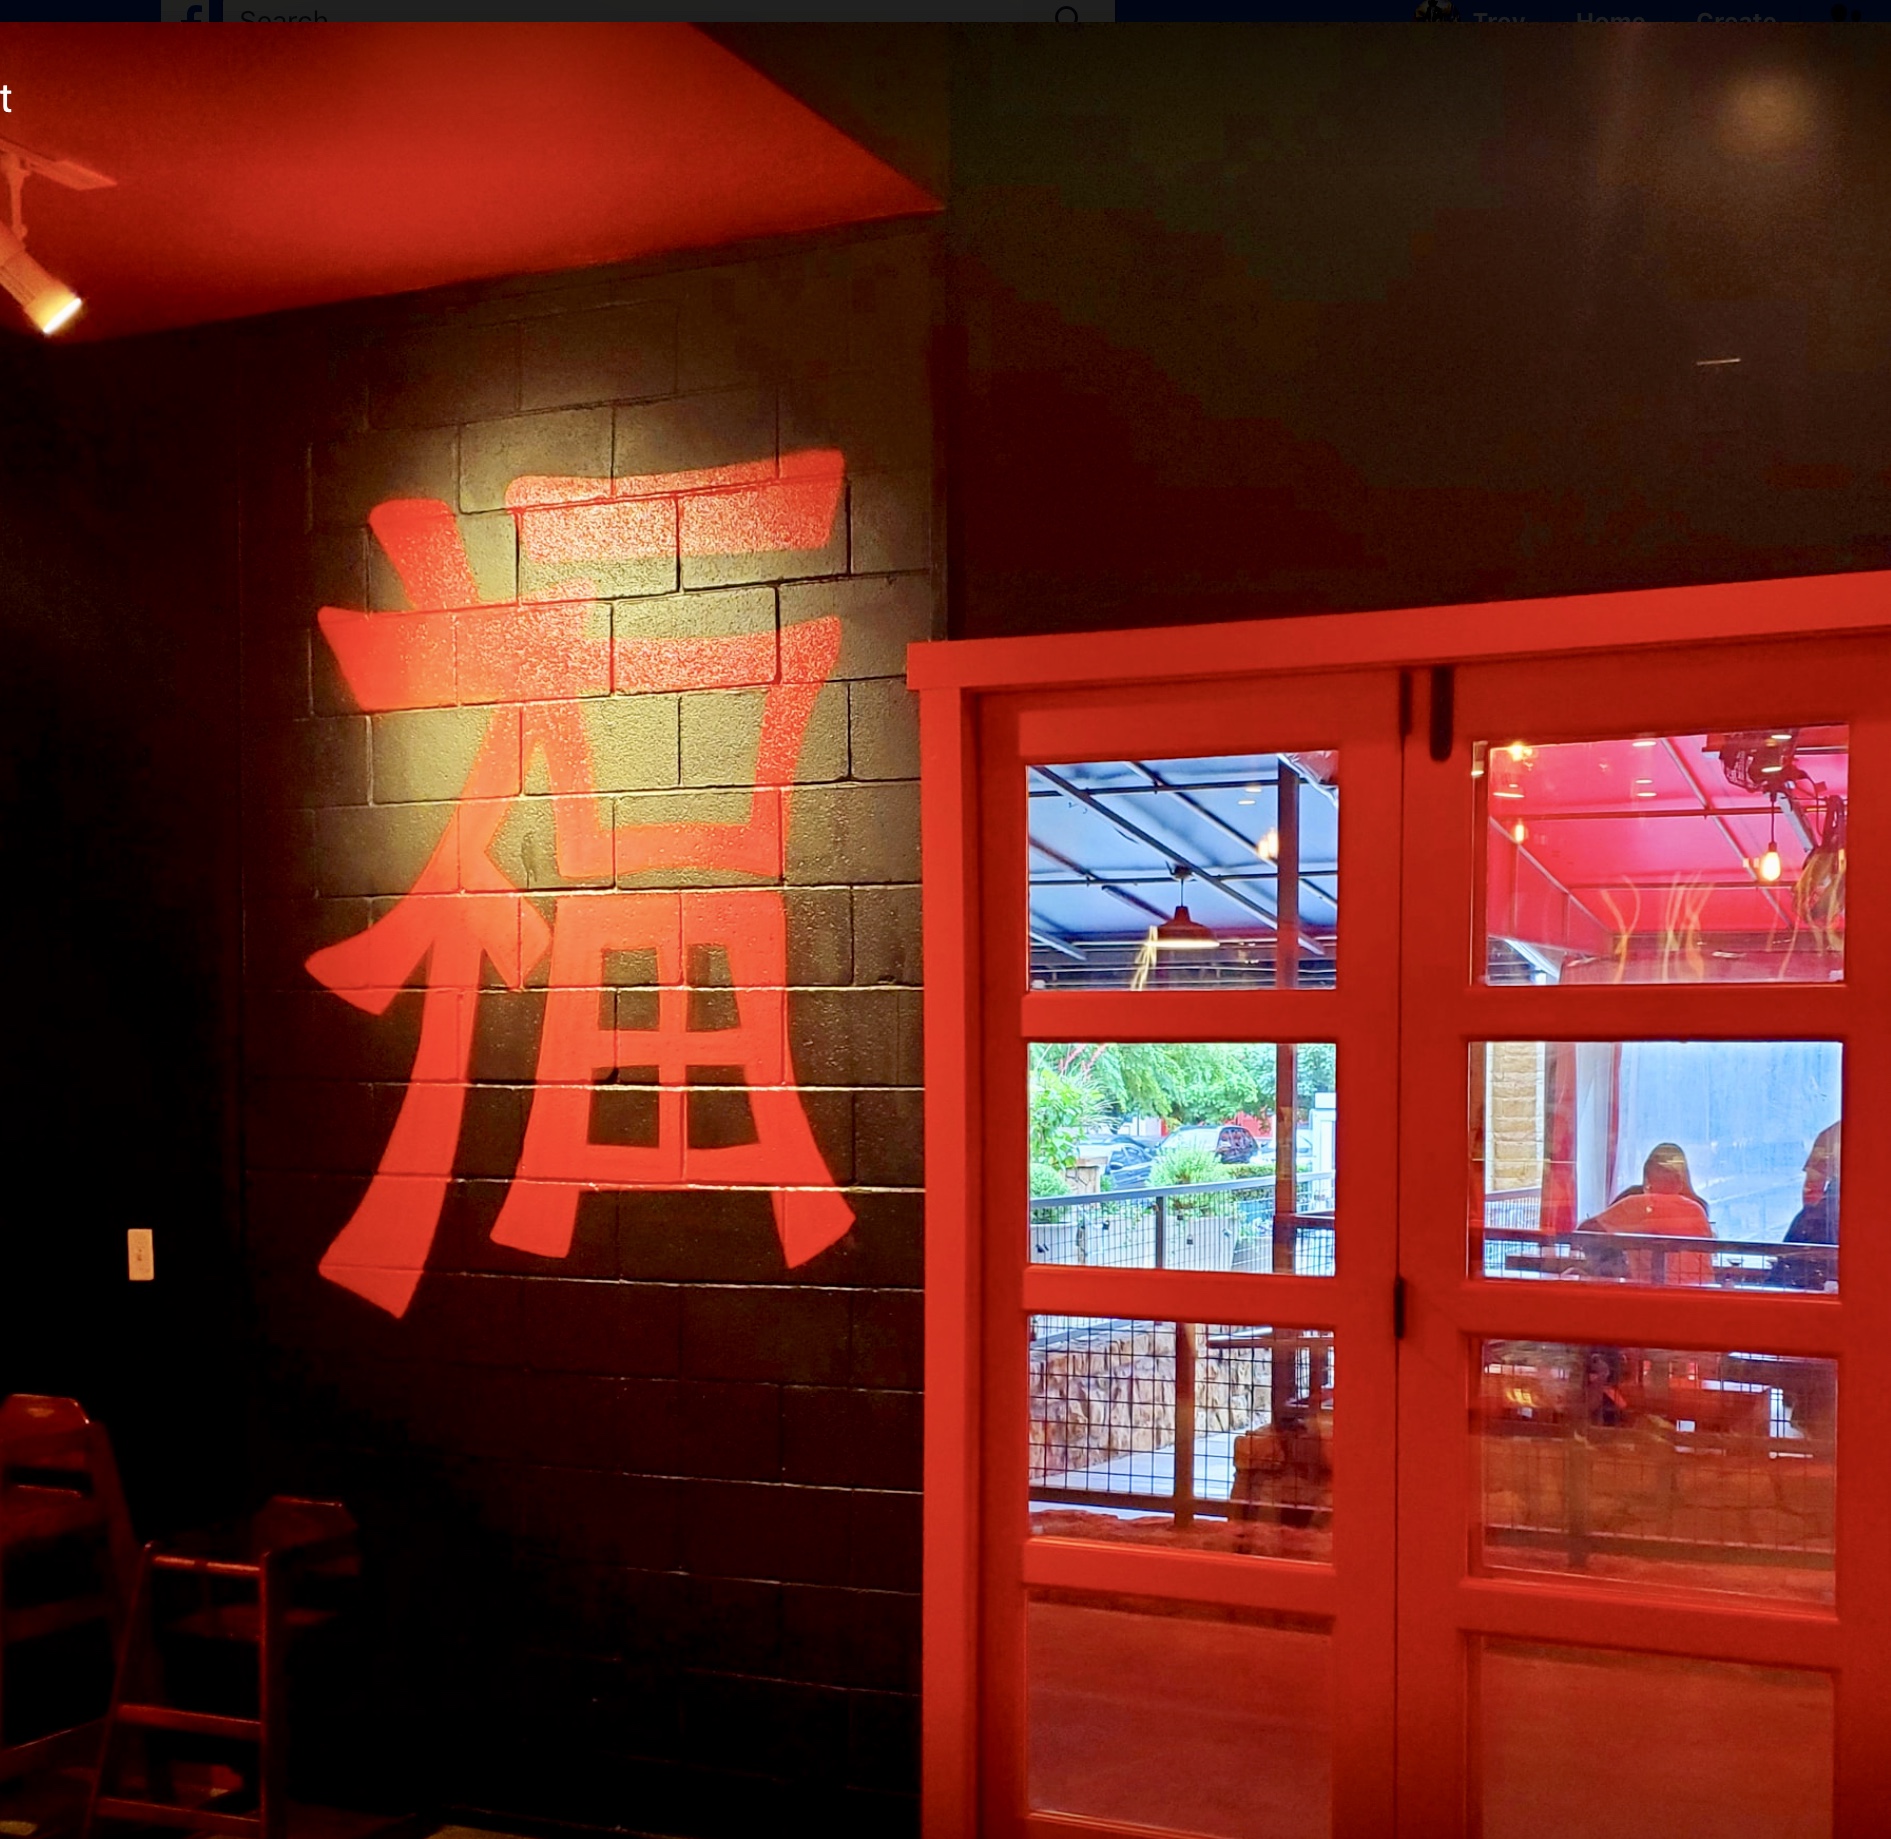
(1688, 1749)
(1658, 1162)
(1682, 858)
(1701, 1470)
(1211, 1435)
(1179, 1718)
(1214, 873)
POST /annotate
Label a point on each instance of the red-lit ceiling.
(262, 168)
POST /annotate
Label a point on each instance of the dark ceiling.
(259, 171)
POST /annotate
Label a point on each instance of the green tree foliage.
(1063, 1104)
(1083, 1091)
(1313, 1070)
(1185, 1082)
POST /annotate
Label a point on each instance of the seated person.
(1663, 1203)
(1605, 1374)
(1815, 1225)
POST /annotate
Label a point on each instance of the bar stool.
(262, 1586)
(67, 1561)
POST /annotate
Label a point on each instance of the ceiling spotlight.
(46, 300)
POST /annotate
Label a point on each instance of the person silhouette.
(1662, 1204)
(1815, 1225)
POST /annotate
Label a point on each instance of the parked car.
(1129, 1161)
(1124, 1159)
(1233, 1144)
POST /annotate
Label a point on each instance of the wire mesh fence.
(1207, 1226)
(1218, 1434)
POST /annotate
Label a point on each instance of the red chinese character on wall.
(530, 661)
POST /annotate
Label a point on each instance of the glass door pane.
(1172, 874)
(1187, 1719)
(1713, 857)
(1206, 1436)
(1574, 1742)
(1683, 1164)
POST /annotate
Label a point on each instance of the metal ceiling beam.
(1160, 784)
(1641, 814)
(1249, 784)
(1139, 878)
(1056, 941)
(1104, 941)
(1098, 881)
(1248, 844)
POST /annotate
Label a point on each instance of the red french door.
(1189, 1669)
(1501, 1447)
(1645, 1475)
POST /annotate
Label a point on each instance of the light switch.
(140, 1259)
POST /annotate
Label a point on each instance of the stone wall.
(1109, 1391)
(1514, 1100)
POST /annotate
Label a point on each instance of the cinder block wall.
(644, 1519)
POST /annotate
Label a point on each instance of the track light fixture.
(46, 300)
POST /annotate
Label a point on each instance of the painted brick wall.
(643, 1520)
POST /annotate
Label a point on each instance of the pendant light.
(1768, 866)
(1182, 931)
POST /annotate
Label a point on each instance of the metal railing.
(1231, 1226)
(1517, 1244)
(1512, 1210)
(1200, 1226)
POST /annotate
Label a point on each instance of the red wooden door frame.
(987, 706)
(1663, 691)
(1358, 713)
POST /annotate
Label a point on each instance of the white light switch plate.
(140, 1259)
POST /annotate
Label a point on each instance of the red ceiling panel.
(265, 168)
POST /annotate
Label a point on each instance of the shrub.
(1046, 1180)
(1183, 1164)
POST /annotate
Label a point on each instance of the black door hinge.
(1398, 1309)
(1443, 712)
